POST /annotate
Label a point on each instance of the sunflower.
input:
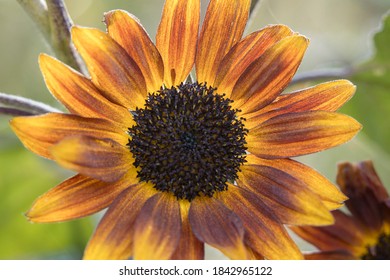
(364, 232)
(182, 161)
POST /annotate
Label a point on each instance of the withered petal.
(365, 191)
(346, 234)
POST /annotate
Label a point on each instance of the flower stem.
(55, 23)
(37, 10)
(60, 25)
(332, 73)
(14, 112)
(21, 106)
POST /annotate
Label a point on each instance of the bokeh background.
(341, 35)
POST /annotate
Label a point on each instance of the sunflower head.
(184, 160)
(195, 141)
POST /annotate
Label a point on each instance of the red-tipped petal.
(125, 29)
(176, 39)
(157, 228)
(228, 18)
(216, 225)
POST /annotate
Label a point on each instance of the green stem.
(60, 25)
(37, 10)
(21, 106)
(54, 22)
(14, 112)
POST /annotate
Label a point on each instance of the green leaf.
(371, 103)
(23, 177)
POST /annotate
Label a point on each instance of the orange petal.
(263, 232)
(111, 68)
(286, 196)
(157, 228)
(74, 198)
(269, 75)
(216, 225)
(328, 96)
(176, 39)
(78, 94)
(329, 255)
(113, 238)
(104, 160)
(222, 28)
(189, 248)
(296, 134)
(40, 133)
(253, 255)
(327, 192)
(346, 234)
(244, 53)
(126, 30)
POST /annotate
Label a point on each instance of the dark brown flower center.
(188, 141)
(380, 251)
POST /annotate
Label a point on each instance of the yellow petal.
(158, 228)
(296, 134)
(216, 225)
(269, 75)
(189, 248)
(263, 231)
(244, 53)
(104, 160)
(346, 234)
(176, 39)
(222, 28)
(329, 194)
(286, 196)
(78, 94)
(113, 237)
(40, 133)
(111, 68)
(328, 96)
(76, 197)
(125, 29)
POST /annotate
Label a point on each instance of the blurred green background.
(341, 36)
